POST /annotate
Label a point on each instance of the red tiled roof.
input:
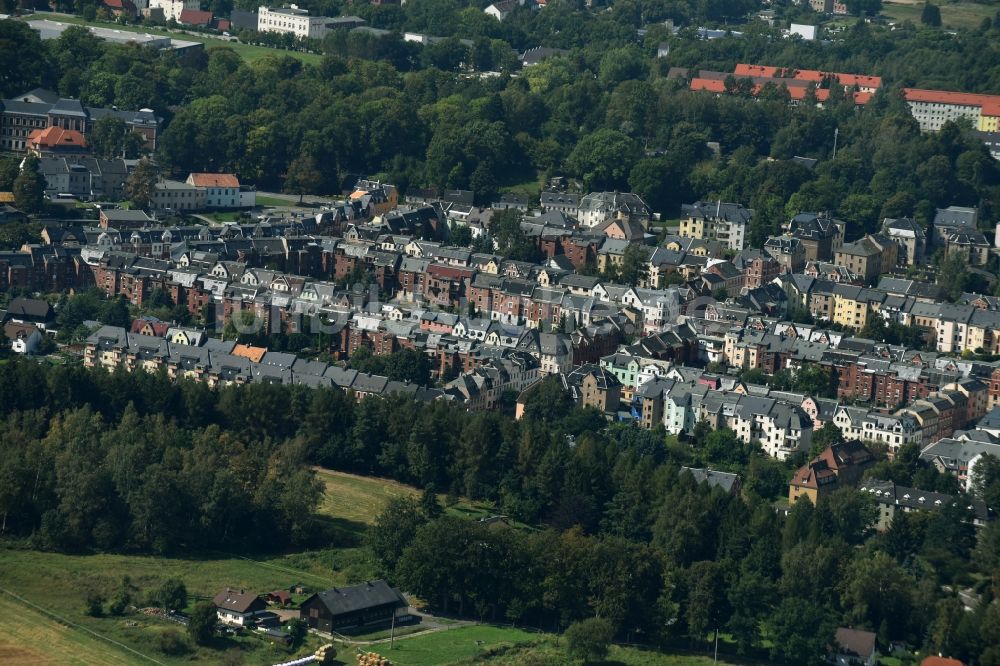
(195, 17)
(813, 475)
(255, 354)
(864, 81)
(449, 272)
(743, 70)
(796, 93)
(949, 97)
(52, 137)
(941, 661)
(710, 85)
(159, 328)
(214, 179)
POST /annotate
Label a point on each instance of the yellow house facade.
(850, 312)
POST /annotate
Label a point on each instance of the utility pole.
(836, 132)
(716, 645)
(392, 631)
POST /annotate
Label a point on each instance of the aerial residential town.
(530, 332)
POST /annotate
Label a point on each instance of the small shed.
(279, 597)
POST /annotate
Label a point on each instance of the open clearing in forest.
(509, 646)
(355, 501)
(953, 15)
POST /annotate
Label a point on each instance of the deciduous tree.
(29, 187)
(140, 183)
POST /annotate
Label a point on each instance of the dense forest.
(127, 462)
(605, 113)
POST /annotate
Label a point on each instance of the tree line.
(126, 474)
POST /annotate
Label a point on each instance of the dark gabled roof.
(714, 479)
(68, 107)
(731, 212)
(540, 53)
(341, 600)
(238, 602)
(29, 307)
(956, 216)
(856, 642)
(125, 215)
(47, 96)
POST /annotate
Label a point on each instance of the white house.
(24, 338)
(172, 8)
(222, 190)
(292, 20)
(237, 606)
(503, 8)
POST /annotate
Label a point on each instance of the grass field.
(953, 15)
(446, 647)
(248, 52)
(29, 637)
(59, 583)
(506, 646)
(222, 217)
(355, 501)
(276, 201)
(358, 499)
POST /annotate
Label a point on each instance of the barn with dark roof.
(346, 608)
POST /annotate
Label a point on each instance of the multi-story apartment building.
(788, 251)
(176, 195)
(819, 234)
(597, 208)
(910, 239)
(715, 220)
(40, 109)
(84, 177)
(892, 431)
(296, 21)
(933, 108)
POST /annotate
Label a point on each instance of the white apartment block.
(715, 220)
(172, 8)
(780, 428)
(292, 20)
(933, 108)
(893, 431)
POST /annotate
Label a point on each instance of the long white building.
(292, 20)
(933, 108)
